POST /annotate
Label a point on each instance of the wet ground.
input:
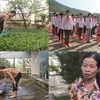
(27, 90)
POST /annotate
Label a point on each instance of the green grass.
(63, 98)
(24, 40)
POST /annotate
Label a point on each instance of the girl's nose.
(87, 68)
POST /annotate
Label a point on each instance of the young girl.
(68, 26)
(89, 87)
(53, 18)
(15, 75)
(80, 22)
(94, 24)
(88, 27)
(61, 26)
(56, 24)
(4, 18)
(74, 24)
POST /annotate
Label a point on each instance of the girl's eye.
(84, 65)
(92, 66)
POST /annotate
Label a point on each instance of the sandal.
(13, 96)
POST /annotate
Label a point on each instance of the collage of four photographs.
(49, 50)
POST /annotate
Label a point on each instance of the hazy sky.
(92, 6)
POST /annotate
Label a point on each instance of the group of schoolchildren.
(69, 25)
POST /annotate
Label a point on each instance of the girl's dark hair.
(54, 13)
(61, 13)
(89, 14)
(96, 57)
(13, 12)
(2, 67)
(81, 14)
(67, 11)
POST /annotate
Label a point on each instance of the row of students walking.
(68, 24)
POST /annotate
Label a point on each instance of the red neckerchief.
(90, 20)
(67, 19)
(80, 18)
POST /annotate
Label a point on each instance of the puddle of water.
(25, 92)
(22, 93)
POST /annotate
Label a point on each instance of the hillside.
(55, 6)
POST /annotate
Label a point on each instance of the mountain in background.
(56, 6)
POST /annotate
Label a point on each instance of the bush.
(24, 40)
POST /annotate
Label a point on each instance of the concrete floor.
(58, 86)
(26, 91)
(55, 45)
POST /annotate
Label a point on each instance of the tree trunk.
(24, 20)
(25, 26)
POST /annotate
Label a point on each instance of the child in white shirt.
(68, 26)
(61, 26)
(88, 27)
(80, 22)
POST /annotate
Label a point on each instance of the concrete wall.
(9, 55)
(35, 64)
(39, 64)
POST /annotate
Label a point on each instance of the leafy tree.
(52, 67)
(25, 7)
(43, 17)
(47, 2)
(70, 65)
(5, 63)
(25, 63)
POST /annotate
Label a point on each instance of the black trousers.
(1, 26)
(17, 78)
(53, 29)
(84, 29)
(60, 34)
(56, 30)
(80, 32)
(93, 30)
(67, 32)
(73, 30)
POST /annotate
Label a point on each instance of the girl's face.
(12, 14)
(89, 68)
(1, 70)
(90, 16)
(68, 13)
(81, 16)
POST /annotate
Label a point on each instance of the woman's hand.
(3, 30)
(14, 82)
